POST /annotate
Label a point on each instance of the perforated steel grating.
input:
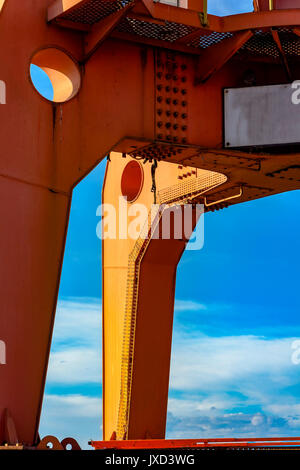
(262, 43)
(94, 11)
(209, 40)
(290, 43)
(168, 32)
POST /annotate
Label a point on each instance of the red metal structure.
(200, 444)
(144, 79)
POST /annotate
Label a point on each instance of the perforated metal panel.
(169, 32)
(208, 40)
(262, 43)
(94, 11)
(166, 32)
(290, 42)
(191, 187)
(158, 151)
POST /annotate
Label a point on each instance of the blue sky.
(236, 317)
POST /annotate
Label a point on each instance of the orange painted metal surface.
(126, 81)
(138, 295)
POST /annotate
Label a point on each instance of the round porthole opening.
(61, 71)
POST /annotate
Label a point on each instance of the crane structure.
(143, 82)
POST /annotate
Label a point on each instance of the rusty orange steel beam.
(41, 174)
(231, 23)
(183, 16)
(197, 443)
(135, 96)
(156, 43)
(102, 30)
(191, 36)
(277, 40)
(82, 27)
(160, 11)
(213, 58)
(261, 19)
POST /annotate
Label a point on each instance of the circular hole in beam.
(62, 72)
(132, 180)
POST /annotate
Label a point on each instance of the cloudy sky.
(236, 322)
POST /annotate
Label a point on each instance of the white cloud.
(76, 350)
(220, 386)
(188, 306)
(213, 405)
(206, 362)
(289, 411)
(76, 406)
(73, 366)
(78, 320)
(75, 361)
(214, 376)
(257, 420)
(186, 421)
(74, 416)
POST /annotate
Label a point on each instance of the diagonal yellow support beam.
(203, 15)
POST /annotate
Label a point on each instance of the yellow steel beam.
(203, 15)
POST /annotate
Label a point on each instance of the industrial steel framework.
(141, 80)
